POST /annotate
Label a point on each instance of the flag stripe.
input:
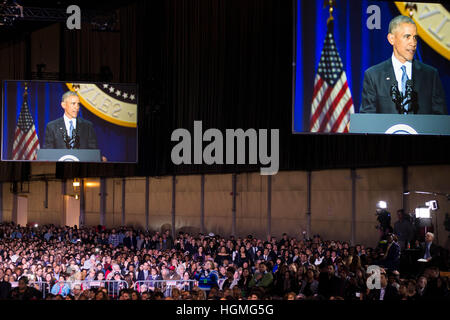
(28, 147)
(343, 114)
(334, 104)
(24, 146)
(321, 104)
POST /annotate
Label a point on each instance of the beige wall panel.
(331, 203)
(327, 180)
(218, 203)
(251, 182)
(92, 219)
(189, 183)
(251, 204)
(92, 197)
(290, 181)
(135, 202)
(288, 212)
(135, 220)
(134, 197)
(160, 202)
(380, 179)
(188, 196)
(110, 210)
(36, 211)
(92, 201)
(7, 202)
(332, 230)
(289, 203)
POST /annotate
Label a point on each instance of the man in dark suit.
(429, 251)
(328, 282)
(70, 131)
(378, 80)
(391, 259)
(386, 293)
(144, 274)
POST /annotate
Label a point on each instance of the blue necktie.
(71, 133)
(427, 252)
(404, 79)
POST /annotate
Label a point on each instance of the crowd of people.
(93, 263)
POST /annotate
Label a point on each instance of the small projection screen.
(65, 121)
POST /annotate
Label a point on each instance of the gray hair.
(398, 20)
(68, 94)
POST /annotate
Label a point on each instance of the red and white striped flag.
(332, 101)
(26, 142)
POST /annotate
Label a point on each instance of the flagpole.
(331, 4)
(25, 93)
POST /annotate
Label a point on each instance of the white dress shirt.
(67, 123)
(398, 70)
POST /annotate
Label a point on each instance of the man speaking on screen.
(402, 84)
(70, 131)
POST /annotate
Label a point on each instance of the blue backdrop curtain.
(116, 143)
(359, 48)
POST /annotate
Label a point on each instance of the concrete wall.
(331, 201)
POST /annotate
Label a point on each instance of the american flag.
(26, 142)
(332, 101)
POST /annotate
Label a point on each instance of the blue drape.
(117, 144)
(359, 48)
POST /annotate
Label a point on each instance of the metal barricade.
(43, 287)
(113, 287)
(164, 286)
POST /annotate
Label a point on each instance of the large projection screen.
(94, 122)
(333, 91)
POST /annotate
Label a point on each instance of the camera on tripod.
(383, 217)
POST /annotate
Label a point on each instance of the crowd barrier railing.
(165, 286)
(112, 286)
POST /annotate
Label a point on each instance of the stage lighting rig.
(10, 11)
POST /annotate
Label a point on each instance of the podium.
(71, 155)
(426, 124)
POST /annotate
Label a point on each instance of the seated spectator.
(387, 291)
(310, 286)
(421, 289)
(262, 278)
(24, 292)
(5, 288)
(60, 287)
(328, 282)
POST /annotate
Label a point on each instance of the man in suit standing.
(70, 131)
(391, 259)
(378, 80)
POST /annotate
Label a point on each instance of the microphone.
(67, 140)
(410, 96)
(71, 143)
(396, 97)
